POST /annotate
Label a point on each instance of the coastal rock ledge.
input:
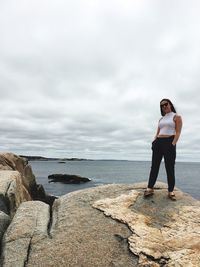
(105, 226)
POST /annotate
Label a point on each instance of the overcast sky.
(84, 78)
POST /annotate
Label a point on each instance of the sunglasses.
(164, 105)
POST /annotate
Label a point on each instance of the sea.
(102, 172)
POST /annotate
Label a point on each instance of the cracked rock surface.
(80, 235)
(28, 226)
(106, 226)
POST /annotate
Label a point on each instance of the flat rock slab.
(82, 236)
(114, 225)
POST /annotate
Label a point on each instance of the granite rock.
(12, 191)
(110, 225)
(17, 185)
(29, 225)
(4, 222)
(13, 163)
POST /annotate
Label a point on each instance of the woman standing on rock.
(164, 145)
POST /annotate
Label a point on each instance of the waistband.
(166, 138)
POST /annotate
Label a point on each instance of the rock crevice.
(24, 231)
(17, 186)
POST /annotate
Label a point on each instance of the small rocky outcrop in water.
(68, 178)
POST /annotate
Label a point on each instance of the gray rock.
(110, 225)
(14, 163)
(4, 222)
(12, 191)
(105, 226)
(10, 161)
(29, 226)
(17, 185)
(67, 178)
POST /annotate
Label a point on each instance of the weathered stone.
(29, 226)
(12, 162)
(163, 232)
(28, 177)
(12, 191)
(74, 232)
(4, 222)
(17, 185)
(83, 236)
(135, 231)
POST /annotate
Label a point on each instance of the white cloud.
(84, 78)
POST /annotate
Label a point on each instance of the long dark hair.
(172, 106)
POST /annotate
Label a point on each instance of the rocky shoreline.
(40, 158)
(105, 226)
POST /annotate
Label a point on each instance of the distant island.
(40, 158)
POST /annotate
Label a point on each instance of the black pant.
(163, 147)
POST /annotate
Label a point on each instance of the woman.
(164, 145)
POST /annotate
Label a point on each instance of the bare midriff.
(163, 136)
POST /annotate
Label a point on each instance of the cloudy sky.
(84, 78)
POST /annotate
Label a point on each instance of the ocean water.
(103, 172)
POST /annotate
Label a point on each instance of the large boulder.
(105, 226)
(29, 225)
(12, 194)
(17, 185)
(12, 162)
(19, 167)
(12, 191)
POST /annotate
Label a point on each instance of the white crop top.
(167, 124)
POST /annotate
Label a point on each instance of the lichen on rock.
(163, 233)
